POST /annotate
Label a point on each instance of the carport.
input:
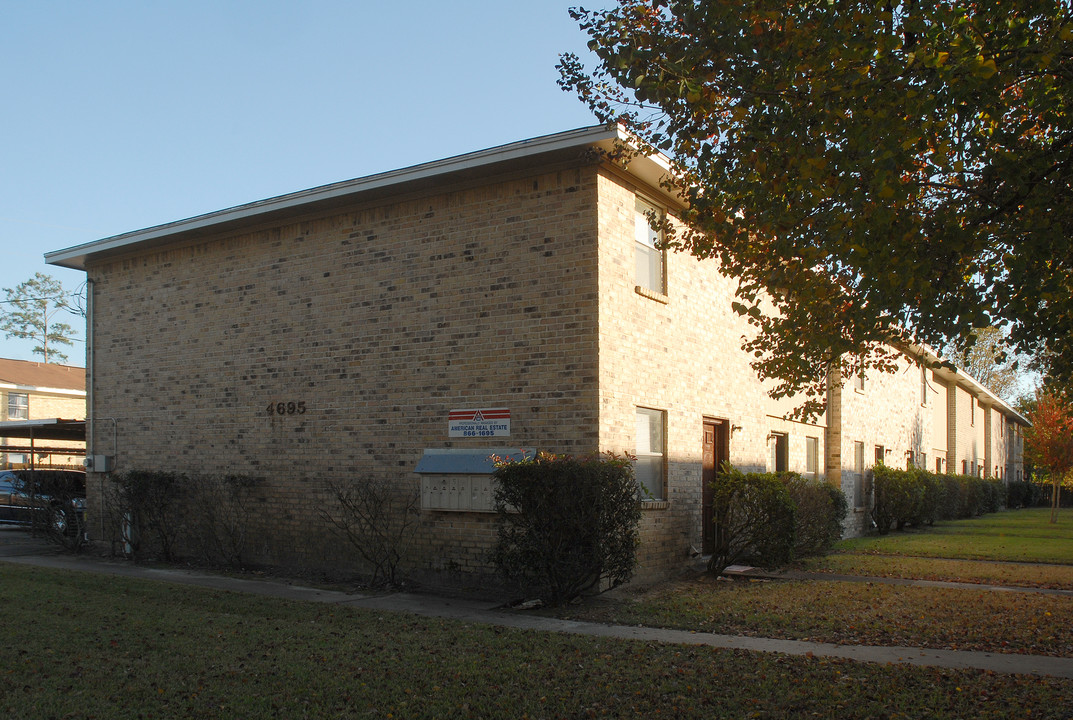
(49, 429)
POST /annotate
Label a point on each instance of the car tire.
(58, 521)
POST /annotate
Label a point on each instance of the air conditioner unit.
(99, 463)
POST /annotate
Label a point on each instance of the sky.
(119, 116)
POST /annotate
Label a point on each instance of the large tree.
(29, 313)
(884, 172)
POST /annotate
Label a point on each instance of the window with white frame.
(651, 450)
(858, 471)
(812, 455)
(650, 265)
(779, 452)
(18, 406)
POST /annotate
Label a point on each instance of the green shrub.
(899, 497)
(932, 498)
(973, 496)
(916, 497)
(567, 525)
(951, 502)
(994, 495)
(820, 508)
(753, 519)
(1017, 494)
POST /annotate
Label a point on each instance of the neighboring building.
(36, 391)
(406, 325)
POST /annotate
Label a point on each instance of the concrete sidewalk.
(487, 612)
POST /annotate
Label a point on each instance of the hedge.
(918, 497)
(769, 519)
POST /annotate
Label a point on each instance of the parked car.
(57, 497)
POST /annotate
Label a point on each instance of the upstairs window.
(18, 406)
(650, 265)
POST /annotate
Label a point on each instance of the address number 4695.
(287, 408)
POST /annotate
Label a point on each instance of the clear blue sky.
(123, 115)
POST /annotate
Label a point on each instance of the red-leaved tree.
(1049, 442)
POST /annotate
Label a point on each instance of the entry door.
(716, 452)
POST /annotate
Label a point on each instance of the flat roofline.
(603, 136)
(967, 381)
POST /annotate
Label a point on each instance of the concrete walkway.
(487, 612)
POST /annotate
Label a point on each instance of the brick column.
(832, 445)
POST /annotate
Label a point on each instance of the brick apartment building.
(406, 325)
(31, 391)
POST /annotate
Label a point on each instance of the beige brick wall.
(681, 355)
(887, 413)
(380, 319)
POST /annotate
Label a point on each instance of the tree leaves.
(905, 171)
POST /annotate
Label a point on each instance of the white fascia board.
(601, 135)
(974, 386)
(39, 389)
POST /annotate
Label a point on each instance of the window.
(910, 460)
(939, 465)
(779, 446)
(858, 381)
(650, 452)
(650, 274)
(18, 406)
(964, 467)
(858, 470)
(880, 455)
(812, 455)
(923, 386)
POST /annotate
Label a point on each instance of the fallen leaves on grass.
(854, 614)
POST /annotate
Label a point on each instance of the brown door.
(716, 452)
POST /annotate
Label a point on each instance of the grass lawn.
(1059, 577)
(878, 614)
(86, 646)
(1012, 536)
(1017, 548)
(851, 614)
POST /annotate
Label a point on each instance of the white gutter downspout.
(92, 376)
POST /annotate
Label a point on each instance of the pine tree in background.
(29, 312)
